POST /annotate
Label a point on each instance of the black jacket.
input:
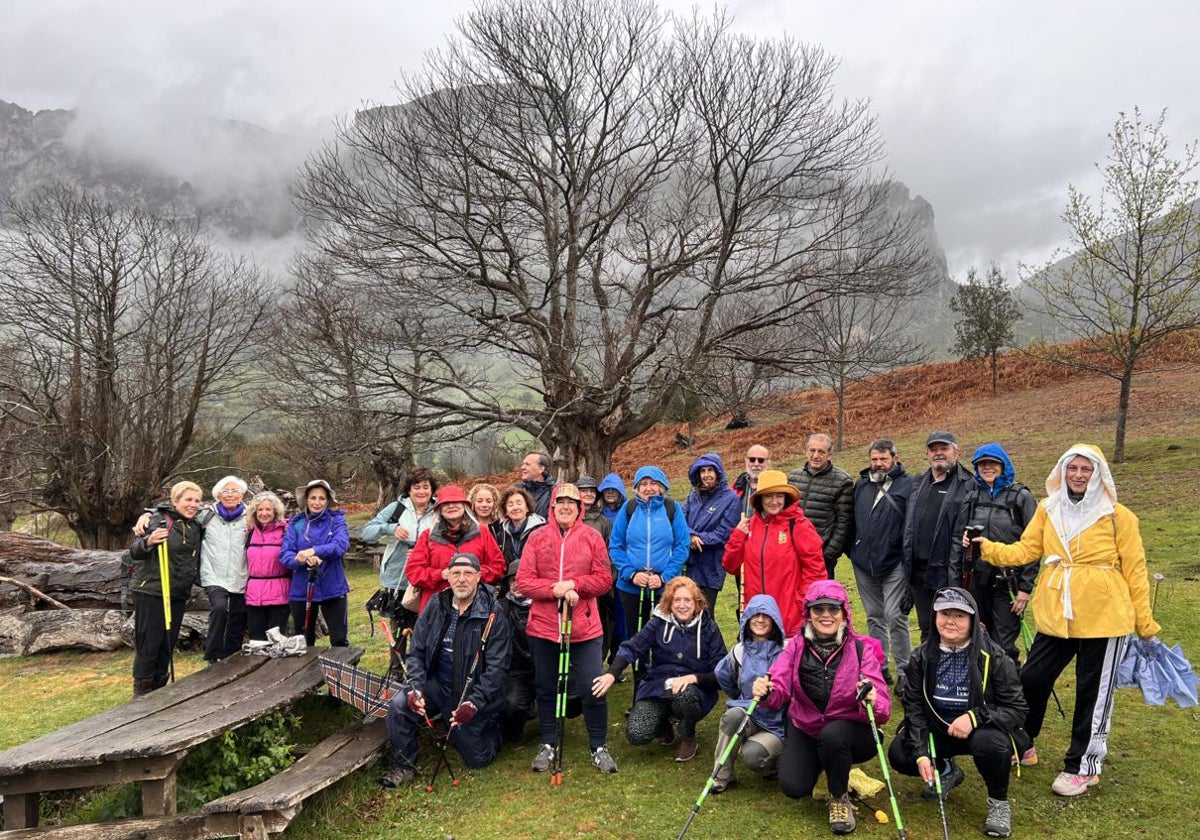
(996, 698)
(878, 545)
(183, 555)
(936, 573)
(1003, 519)
(827, 499)
(487, 687)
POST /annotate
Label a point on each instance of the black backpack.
(668, 505)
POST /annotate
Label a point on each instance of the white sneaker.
(1072, 784)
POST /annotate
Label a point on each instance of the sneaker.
(719, 786)
(1028, 758)
(603, 761)
(999, 818)
(952, 777)
(687, 749)
(397, 776)
(841, 814)
(541, 761)
(1072, 784)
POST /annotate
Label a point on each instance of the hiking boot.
(397, 776)
(719, 786)
(999, 818)
(686, 750)
(952, 777)
(1028, 758)
(541, 761)
(1072, 784)
(603, 761)
(841, 814)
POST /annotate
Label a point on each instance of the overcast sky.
(988, 109)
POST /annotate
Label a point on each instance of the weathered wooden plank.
(180, 827)
(20, 810)
(274, 685)
(93, 775)
(64, 746)
(337, 756)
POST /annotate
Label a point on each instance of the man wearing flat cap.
(457, 667)
(933, 504)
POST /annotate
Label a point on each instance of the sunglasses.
(750, 459)
(825, 609)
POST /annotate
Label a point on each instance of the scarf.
(230, 515)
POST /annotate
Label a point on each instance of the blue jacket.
(648, 540)
(749, 660)
(612, 481)
(675, 650)
(711, 516)
(328, 535)
(879, 526)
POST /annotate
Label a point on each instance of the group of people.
(534, 600)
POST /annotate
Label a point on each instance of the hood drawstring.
(672, 624)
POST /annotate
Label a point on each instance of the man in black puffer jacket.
(826, 497)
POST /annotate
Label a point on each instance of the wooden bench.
(145, 739)
(251, 814)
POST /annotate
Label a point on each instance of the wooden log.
(25, 632)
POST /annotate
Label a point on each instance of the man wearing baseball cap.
(457, 626)
(932, 507)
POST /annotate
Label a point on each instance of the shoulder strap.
(668, 506)
(396, 513)
(737, 663)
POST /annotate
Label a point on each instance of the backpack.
(668, 505)
(1012, 507)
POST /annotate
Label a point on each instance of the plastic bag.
(1161, 673)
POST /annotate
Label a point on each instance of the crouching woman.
(819, 676)
(962, 696)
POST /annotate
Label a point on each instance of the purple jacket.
(842, 706)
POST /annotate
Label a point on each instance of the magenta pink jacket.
(270, 582)
(550, 556)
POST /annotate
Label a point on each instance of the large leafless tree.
(124, 328)
(579, 189)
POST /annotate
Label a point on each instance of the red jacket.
(431, 556)
(785, 550)
(550, 556)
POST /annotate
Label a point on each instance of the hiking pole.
(1027, 638)
(442, 758)
(164, 577)
(887, 776)
(565, 614)
(310, 630)
(937, 786)
(712, 779)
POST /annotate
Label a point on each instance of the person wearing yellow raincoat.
(1093, 591)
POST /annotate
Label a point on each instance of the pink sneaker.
(1072, 784)
(1028, 758)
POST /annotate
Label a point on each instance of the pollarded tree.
(1133, 276)
(579, 188)
(125, 328)
(990, 312)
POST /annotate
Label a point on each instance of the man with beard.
(758, 458)
(877, 553)
(442, 681)
(535, 479)
(826, 497)
(929, 525)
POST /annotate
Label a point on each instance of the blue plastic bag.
(1161, 673)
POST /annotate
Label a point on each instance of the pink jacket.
(270, 582)
(550, 556)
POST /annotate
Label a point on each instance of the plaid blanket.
(364, 690)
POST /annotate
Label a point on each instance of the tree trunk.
(840, 392)
(579, 451)
(994, 374)
(1122, 414)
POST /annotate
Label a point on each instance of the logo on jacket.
(783, 537)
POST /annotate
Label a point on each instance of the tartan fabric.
(364, 690)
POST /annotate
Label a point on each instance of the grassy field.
(1145, 791)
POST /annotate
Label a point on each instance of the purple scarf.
(230, 515)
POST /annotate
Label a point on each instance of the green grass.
(1145, 792)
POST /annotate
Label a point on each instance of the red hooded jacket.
(550, 556)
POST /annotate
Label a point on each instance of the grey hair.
(230, 479)
(882, 445)
(267, 496)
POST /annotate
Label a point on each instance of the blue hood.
(655, 473)
(709, 459)
(995, 452)
(612, 481)
(761, 605)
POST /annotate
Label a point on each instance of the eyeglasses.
(750, 459)
(825, 609)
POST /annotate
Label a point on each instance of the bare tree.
(989, 312)
(125, 329)
(1133, 276)
(579, 188)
